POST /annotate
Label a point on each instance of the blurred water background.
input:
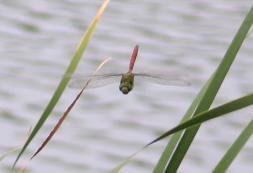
(37, 40)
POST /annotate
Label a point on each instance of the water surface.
(37, 40)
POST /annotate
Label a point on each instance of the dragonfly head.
(126, 83)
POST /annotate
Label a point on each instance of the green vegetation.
(69, 71)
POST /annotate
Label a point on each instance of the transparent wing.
(100, 80)
(173, 78)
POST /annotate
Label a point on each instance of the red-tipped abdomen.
(133, 58)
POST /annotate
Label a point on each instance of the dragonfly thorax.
(126, 83)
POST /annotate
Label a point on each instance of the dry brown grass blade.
(59, 123)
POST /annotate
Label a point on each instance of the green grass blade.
(70, 70)
(234, 149)
(208, 115)
(211, 92)
(160, 166)
(118, 168)
(200, 118)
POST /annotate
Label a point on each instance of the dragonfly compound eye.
(124, 90)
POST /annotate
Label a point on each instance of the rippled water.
(37, 39)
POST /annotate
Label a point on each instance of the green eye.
(124, 90)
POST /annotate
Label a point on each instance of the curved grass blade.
(210, 93)
(198, 119)
(66, 113)
(126, 161)
(175, 138)
(234, 149)
(70, 70)
(208, 115)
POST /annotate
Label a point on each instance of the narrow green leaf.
(118, 168)
(160, 166)
(196, 120)
(70, 70)
(234, 149)
(208, 115)
(210, 93)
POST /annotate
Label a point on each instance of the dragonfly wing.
(170, 78)
(78, 81)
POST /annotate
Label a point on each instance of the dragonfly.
(127, 79)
